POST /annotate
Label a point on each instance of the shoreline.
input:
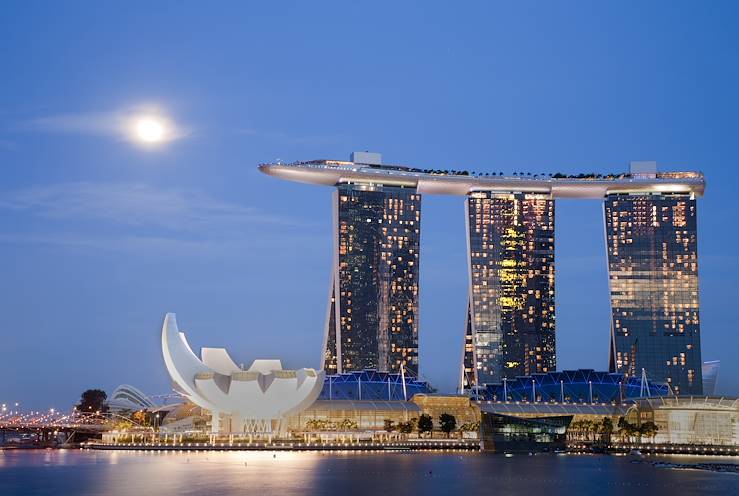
(288, 446)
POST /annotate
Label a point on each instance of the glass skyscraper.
(372, 320)
(372, 317)
(653, 275)
(510, 324)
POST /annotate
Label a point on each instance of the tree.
(93, 401)
(141, 417)
(648, 429)
(348, 425)
(389, 425)
(606, 429)
(448, 422)
(470, 426)
(621, 422)
(405, 427)
(425, 424)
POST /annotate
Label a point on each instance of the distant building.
(710, 377)
(653, 273)
(128, 398)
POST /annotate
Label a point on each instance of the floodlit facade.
(372, 320)
(330, 418)
(653, 275)
(460, 406)
(338, 417)
(511, 321)
(252, 401)
(691, 420)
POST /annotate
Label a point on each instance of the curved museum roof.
(214, 381)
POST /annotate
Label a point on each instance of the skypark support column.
(511, 322)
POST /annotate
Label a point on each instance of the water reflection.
(55, 472)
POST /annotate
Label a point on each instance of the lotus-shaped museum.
(240, 401)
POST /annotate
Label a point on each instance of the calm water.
(75, 472)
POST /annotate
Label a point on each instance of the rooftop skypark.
(461, 182)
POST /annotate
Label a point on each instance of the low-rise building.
(695, 420)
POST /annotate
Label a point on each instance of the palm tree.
(622, 427)
(649, 429)
(606, 429)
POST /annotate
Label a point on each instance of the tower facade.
(653, 276)
(510, 324)
(372, 320)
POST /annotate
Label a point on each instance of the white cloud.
(144, 219)
(118, 124)
(136, 205)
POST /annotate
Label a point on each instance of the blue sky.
(100, 237)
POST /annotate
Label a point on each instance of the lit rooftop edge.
(462, 182)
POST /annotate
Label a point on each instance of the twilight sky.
(99, 237)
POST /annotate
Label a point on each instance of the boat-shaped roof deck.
(451, 182)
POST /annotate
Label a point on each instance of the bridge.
(53, 428)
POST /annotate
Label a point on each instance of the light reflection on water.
(56, 472)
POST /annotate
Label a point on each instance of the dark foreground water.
(75, 472)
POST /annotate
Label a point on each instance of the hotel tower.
(653, 275)
(372, 320)
(651, 236)
(510, 321)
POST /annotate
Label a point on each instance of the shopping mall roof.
(551, 409)
(347, 405)
(690, 402)
(573, 386)
(372, 385)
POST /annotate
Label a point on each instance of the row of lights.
(553, 403)
(436, 450)
(666, 447)
(299, 445)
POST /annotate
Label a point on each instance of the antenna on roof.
(402, 375)
(644, 384)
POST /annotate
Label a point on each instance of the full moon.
(149, 130)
